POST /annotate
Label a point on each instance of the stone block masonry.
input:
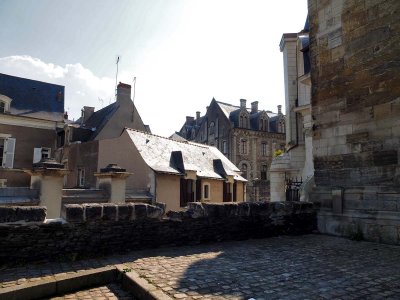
(355, 74)
(96, 230)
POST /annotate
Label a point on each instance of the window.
(7, 148)
(5, 103)
(41, 153)
(81, 177)
(212, 128)
(244, 171)
(224, 147)
(264, 172)
(206, 191)
(264, 149)
(281, 125)
(243, 147)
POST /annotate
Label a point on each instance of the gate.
(292, 188)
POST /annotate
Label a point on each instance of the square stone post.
(113, 180)
(48, 177)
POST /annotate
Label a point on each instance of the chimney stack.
(189, 119)
(87, 112)
(254, 107)
(123, 91)
(279, 109)
(242, 103)
(197, 115)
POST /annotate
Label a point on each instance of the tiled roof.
(156, 152)
(33, 98)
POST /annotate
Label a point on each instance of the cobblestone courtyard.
(310, 266)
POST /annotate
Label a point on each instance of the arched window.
(264, 169)
(244, 170)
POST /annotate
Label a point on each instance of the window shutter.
(9, 149)
(37, 155)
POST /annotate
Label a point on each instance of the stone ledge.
(140, 287)
(60, 285)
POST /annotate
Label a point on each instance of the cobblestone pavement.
(301, 267)
(107, 292)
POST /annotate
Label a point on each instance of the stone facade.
(247, 137)
(297, 163)
(355, 48)
(95, 230)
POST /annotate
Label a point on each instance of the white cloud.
(82, 87)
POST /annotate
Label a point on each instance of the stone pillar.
(113, 180)
(48, 176)
(280, 165)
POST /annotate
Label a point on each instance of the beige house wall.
(240, 197)
(125, 116)
(121, 151)
(168, 191)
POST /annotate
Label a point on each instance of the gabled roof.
(33, 98)
(232, 113)
(159, 153)
(99, 119)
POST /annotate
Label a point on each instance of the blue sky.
(183, 52)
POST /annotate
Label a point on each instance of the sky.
(182, 52)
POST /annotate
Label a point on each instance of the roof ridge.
(170, 139)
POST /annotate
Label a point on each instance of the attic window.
(5, 103)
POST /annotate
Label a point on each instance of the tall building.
(247, 136)
(292, 172)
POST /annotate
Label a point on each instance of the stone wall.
(95, 230)
(355, 71)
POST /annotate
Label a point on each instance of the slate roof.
(99, 119)
(232, 113)
(157, 151)
(33, 98)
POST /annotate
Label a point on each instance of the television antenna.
(116, 75)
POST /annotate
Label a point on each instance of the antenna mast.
(133, 98)
(116, 78)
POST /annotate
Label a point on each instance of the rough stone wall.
(94, 230)
(355, 46)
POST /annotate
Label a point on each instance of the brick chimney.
(123, 91)
(87, 112)
(197, 117)
(279, 109)
(242, 103)
(254, 107)
(189, 119)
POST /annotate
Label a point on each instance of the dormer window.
(5, 103)
(243, 120)
(281, 125)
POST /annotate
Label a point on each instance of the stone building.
(292, 172)
(31, 112)
(354, 50)
(247, 137)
